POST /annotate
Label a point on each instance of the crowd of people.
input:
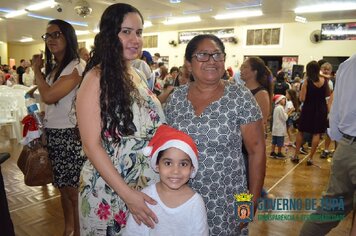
(138, 149)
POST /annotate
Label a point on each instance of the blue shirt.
(343, 111)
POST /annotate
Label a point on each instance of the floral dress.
(102, 211)
(217, 133)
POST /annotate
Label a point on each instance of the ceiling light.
(239, 14)
(300, 19)
(40, 17)
(15, 13)
(147, 24)
(205, 10)
(82, 32)
(181, 20)
(345, 6)
(174, 1)
(160, 16)
(42, 5)
(242, 5)
(26, 39)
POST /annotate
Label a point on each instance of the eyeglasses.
(54, 35)
(204, 56)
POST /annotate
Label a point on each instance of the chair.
(21, 87)
(9, 115)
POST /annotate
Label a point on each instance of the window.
(268, 36)
(150, 41)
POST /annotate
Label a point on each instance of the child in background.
(279, 127)
(179, 209)
(292, 108)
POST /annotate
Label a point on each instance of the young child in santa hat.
(180, 210)
(279, 127)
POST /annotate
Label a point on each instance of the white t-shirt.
(289, 106)
(61, 114)
(280, 117)
(188, 219)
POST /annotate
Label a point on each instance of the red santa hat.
(167, 137)
(277, 98)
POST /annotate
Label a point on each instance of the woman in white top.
(63, 70)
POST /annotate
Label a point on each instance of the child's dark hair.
(160, 154)
(294, 98)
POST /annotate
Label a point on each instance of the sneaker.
(295, 159)
(309, 162)
(303, 151)
(324, 154)
(280, 155)
(273, 154)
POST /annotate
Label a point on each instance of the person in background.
(258, 79)
(280, 85)
(57, 89)
(84, 54)
(183, 76)
(279, 127)
(342, 129)
(219, 115)
(117, 116)
(20, 70)
(313, 117)
(180, 210)
(28, 77)
(325, 71)
(292, 107)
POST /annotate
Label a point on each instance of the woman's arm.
(303, 91)
(62, 87)
(89, 122)
(254, 140)
(263, 102)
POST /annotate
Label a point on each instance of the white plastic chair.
(9, 115)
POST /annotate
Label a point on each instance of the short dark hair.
(194, 42)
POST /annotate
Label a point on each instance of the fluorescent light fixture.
(239, 14)
(147, 24)
(205, 10)
(40, 17)
(242, 5)
(82, 32)
(159, 16)
(96, 30)
(26, 39)
(340, 6)
(174, 1)
(5, 10)
(15, 13)
(78, 23)
(42, 5)
(181, 20)
(300, 19)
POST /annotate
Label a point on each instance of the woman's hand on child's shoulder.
(136, 202)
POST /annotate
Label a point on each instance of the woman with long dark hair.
(313, 116)
(117, 116)
(63, 70)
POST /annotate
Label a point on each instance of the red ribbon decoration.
(29, 123)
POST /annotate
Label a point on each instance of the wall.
(294, 41)
(26, 51)
(3, 52)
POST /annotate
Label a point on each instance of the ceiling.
(274, 11)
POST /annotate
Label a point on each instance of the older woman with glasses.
(58, 88)
(219, 115)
